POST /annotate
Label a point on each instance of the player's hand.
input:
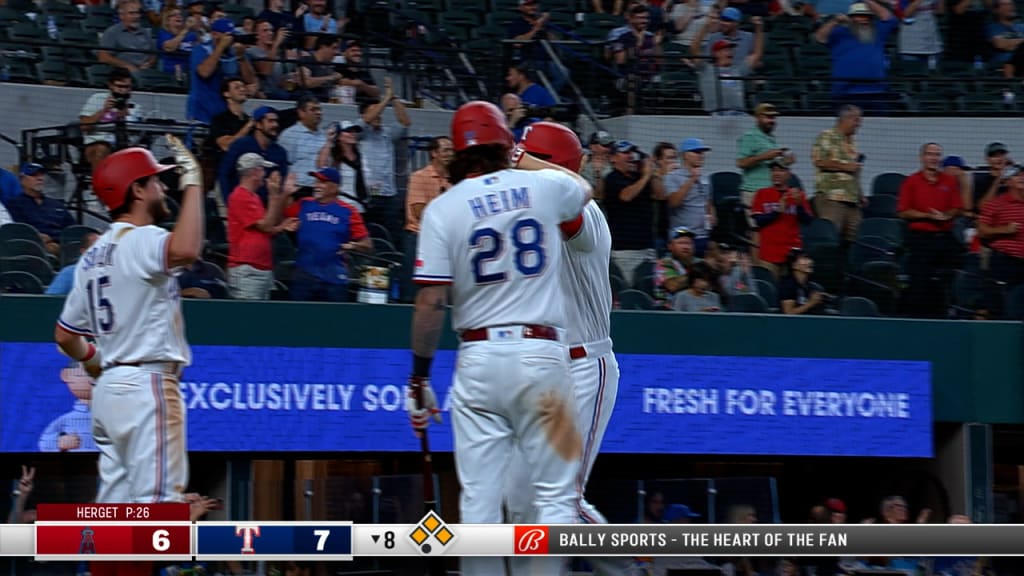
(421, 404)
(188, 166)
(69, 442)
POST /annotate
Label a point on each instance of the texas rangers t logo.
(531, 540)
(248, 532)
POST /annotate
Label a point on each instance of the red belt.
(577, 352)
(535, 331)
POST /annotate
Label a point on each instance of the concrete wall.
(890, 144)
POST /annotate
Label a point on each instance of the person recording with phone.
(109, 107)
(797, 294)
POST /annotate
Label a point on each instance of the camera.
(121, 101)
(246, 39)
(1011, 171)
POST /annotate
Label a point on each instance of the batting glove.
(189, 173)
(421, 403)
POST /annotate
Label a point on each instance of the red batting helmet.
(476, 123)
(553, 142)
(111, 179)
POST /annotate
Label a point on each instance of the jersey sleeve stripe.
(425, 279)
(73, 329)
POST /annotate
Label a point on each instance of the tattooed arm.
(427, 320)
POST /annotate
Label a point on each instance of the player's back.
(501, 237)
(132, 300)
(586, 279)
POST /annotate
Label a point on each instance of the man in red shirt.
(251, 227)
(779, 210)
(929, 201)
(1002, 223)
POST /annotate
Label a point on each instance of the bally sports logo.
(531, 540)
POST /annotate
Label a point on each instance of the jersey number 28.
(528, 242)
(100, 310)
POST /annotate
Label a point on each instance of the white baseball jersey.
(126, 298)
(496, 239)
(585, 277)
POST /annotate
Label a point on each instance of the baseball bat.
(435, 564)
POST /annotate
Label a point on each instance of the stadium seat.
(382, 245)
(10, 17)
(725, 185)
(156, 81)
(872, 248)
(25, 31)
(52, 72)
(636, 300)
(617, 283)
(18, 282)
(828, 266)
(642, 271)
(378, 231)
(819, 231)
(97, 75)
(881, 206)
(762, 273)
(34, 265)
(1014, 306)
(71, 239)
(19, 231)
(858, 306)
(888, 228)
(15, 248)
(888, 183)
(768, 292)
(748, 303)
(878, 281)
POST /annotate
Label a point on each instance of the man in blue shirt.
(531, 93)
(47, 215)
(263, 141)
(328, 228)
(9, 186)
(65, 279)
(211, 62)
(857, 41)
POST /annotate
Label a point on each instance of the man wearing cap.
(120, 39)
(756, 149)
(725, 25)
(108, 107)
(688, 193)
(328, 228)
(1002, 225)
(251, 227)
(672, 273)
(47, 215)
(303, 141)
(779, 210)
(597, 163)
(929, 200)
(721, 77)
(263, 141)
(210, 62)
(857, 42)
(990, 183)
(628, 202)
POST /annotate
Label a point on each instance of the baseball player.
(493, 238)
(125, 296)
(594, 369)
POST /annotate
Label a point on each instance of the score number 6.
(161, 542)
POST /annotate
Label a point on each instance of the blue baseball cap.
(223, 25)
(676, 511)
(261, 112)
(327, 175)
(731, 14)
(693, 145)
(625, 146)
(31, 169)
(956, 161)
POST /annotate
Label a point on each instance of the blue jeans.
(308, 288)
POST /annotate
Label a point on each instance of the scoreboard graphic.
(163, 532)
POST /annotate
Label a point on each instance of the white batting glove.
(421, 403)
(189, 172)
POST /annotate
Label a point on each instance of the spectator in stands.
(265, 56)
(597, 162)
(302, 142)
(122, 41)
(687, 18)
(327, 227)
(65, 279)
(725, 25)
(226, 127)
(212, 61)
(919, 36)
(318, 21)
(1002, 224)
(966, 21)
(531, 94)
(837, 510)
(929, 200)
(107, 107)
(9, 184)
(957, 167)
(654, 507)
(698, 296)
(628, 200)
(1005, 33)
(354, 75)
(21, 493)
(531, 29)
(425, 184)
(672, 273)
(47, 215)
(251, 226)
(688, 194)
(736, 276)
(990, 183)
(263, 141)
(636, 50)
(613, 7)
(779, 210)
(516, 115)
(377, 144)
(274, 12)
(175, 39)
(859, 63)
(756, 149)
(838, 195)
(316, 72)
(797, 295)
(721, 78)
(341, 151)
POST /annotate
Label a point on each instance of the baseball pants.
(512, 391)
(138, 420)
(595, 378)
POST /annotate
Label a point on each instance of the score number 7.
(321, 541)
